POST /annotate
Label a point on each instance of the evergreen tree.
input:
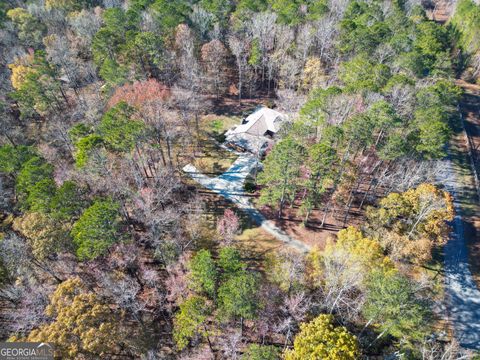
(203, 273)
(97, 229)
(280, 176)
(392, 303)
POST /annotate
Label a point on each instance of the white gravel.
(230, 186)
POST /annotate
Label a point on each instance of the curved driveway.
(230, 185)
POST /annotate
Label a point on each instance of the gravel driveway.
(230, 186)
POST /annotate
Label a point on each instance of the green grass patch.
(218, 124)
(213, 159)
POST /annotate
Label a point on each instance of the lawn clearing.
(213, 160)
(217, 125)
(257, 243)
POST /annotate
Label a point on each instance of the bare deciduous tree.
(29, 311)
(263, 29)
(199, 353)
(342, 279)
(186, 57)
(435, 350)
(201, 19)
(214, 57)
(228, 226)
(177, 282)
(239, 46)
(325, 37)
(231, 342)
(294, 310)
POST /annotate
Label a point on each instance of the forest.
(111, 249)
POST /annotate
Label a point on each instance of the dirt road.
(462, 251)
(462, 294)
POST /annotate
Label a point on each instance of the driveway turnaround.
(230, 185)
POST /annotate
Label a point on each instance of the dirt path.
(230, 186)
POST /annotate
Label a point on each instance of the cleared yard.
(213, 160)
(217, 125)
(258, 241)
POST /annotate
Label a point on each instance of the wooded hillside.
(109, 249)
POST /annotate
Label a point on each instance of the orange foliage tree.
(139, 93)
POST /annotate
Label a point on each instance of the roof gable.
(261, 121)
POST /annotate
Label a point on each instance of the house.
(256, 131)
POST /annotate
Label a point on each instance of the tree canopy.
(139, 220)
(393, 304)
(81, 324)
(320, 338)
(97, 229)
